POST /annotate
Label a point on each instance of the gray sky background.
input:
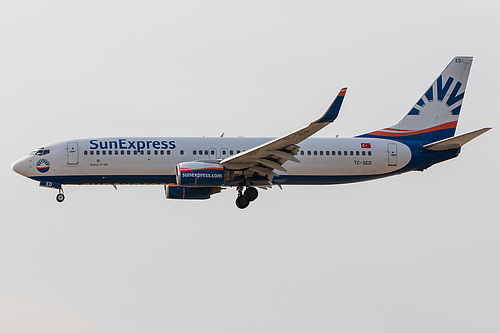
(412, 253)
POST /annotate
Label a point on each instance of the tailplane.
(455, 142)
(435, 115)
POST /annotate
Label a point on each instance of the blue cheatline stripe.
(146, 179)
(108, 179)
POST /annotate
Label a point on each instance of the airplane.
(197, 168)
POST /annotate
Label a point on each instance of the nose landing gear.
(244, 198)
(60, 197)
(57, 186)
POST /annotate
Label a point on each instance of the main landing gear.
(244, 198)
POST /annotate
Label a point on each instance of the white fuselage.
(134, 160)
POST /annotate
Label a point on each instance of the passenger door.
(72, 153)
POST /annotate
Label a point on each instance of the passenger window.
(206, 152)
(363, 153)
(200, 152)
(91, 152)
(321, 152)
(194, 152)
(369, 153)
(327, 153)
(357, 152)
(104, 152)
(162, 152)
(85, 152)
(308, 152)
(333, 152)
(135, 152)
(302, 152)
(142, 152)
(168, 152)
(122, 152)
(156, 152)
(97, 152)
(128, 152)
(238, 151)
(315, 152)
(351, 153)
(182, 152)
(110, 152)
(148, 152)
(231, 152)
(345, 152)
(116, 152)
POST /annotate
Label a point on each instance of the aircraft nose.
(18, 167)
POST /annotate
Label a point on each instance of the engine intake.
(200, 174)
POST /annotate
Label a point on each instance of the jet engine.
(200, 174)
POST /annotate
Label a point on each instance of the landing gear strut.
(244, 199)
(60, 197)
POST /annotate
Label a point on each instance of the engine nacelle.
(200, 174)
(183, 192)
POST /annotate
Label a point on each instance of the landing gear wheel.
(60, 197)
(242, 202)
(251, 193)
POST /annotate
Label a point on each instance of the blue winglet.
(334, 109)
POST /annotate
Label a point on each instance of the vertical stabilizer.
(435, 115)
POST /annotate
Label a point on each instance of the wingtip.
(334, 109)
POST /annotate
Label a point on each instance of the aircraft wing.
(272, 155)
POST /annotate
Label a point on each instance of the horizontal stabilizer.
(455, 142)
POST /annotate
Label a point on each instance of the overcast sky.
(411, 253)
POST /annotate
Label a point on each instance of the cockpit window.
(40, 152)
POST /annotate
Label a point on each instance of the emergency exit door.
(224, 153)
(212, 154)
(72, 153)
